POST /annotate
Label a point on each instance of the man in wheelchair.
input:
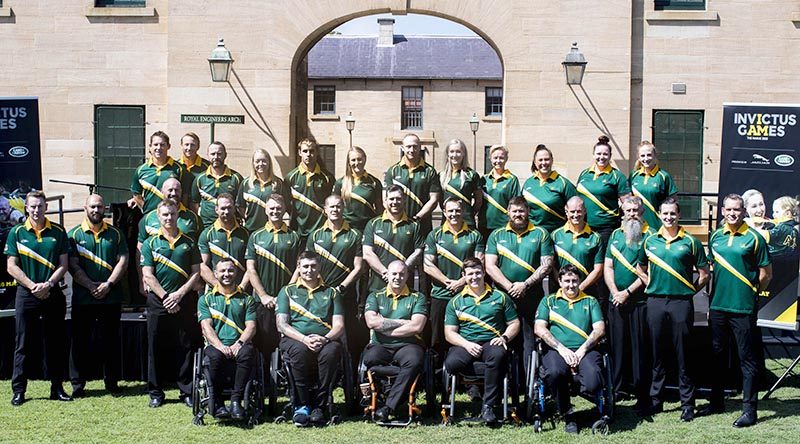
(396, 317)
(310, 319)
(479, 323)
(228, 320)
(570, 323)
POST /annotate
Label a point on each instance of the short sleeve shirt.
(583, 249)
(652, 187)
(188, 222)
(737, 256)
(228, 313)
(417, 183)
(97, 255)
(600, 190)
(497, 192)
(391, 241)
(207, 187)
(309, 190)
(396, 306)
(547, 198)
(149, 178)
(338, 250)
(624, 257)
(275, 252)
(449, 247)
(463, 185)
(480, 318)
(38, 252)
(219, 243)
(569, 321)
(197, 167)
(519, 255)
(310, 311)
(252, 200)
(670, 263)
(172, 262)
(365, 201)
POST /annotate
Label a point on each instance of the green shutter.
(119, 144)
(120, 3)
(678, 136)
(680, 5)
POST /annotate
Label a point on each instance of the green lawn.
(125, 419)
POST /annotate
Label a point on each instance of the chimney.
(386, 32)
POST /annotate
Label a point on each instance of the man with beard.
(224, 239)
(627, 311)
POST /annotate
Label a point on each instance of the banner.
(761, 151)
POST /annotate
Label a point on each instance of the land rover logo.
(21, 151)
(784, 160)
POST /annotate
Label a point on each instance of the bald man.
(576, 244)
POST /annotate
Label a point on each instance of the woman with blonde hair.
(256, 189)
(650, 183)
(361, 192)
(461, 182)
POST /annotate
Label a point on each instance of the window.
(119, 147)
(324, 99)
(678, 136)
(494, 101)
(680, 5)
(411, 108)
(327, 157)
(120, 3)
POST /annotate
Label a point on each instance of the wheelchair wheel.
(196, 383)
(600, 427)
(537, 425)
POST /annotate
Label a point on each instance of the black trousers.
(29, 311)
(671, 318)
(629, 340)
(558, 376)
(102, 320)
(356, 331)
(459, 360)
(266, 339)
(170, 344)
(438, 343)
(409, 357)
(312, 369)
(216, 364)
(599, 290)
(743, 329)
(526, 342)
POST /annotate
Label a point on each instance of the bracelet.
(628, 290)
(240, 342)
(505, 338)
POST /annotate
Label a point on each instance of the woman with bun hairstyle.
(547, 192)
(650, 183)
(361, 192)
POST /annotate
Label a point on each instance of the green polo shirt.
(310, 311)
(396, 306)
(600, 190)
(275, 251)
(417, 183)
(338, 250)
(149, 178)
(463, 185)
(207, 187)
(737, 256)
(228, 313)
(519, 255)
(309, 190)
(583, 249)
(547, 198)
(38, 252)
(480, 318)
(652, 187)
(252, 200)
(570, 321)
(197, 167)
(365, 202)
(97, 255)
(670, 263)
(188, 222)
(625, 256)
(391, 241)
(449, 247)
(220, 243)
(497, 191)
(171, 262)
(781, 238)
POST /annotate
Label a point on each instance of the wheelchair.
(203, 401)
(537, 393)
(282, 381)
(376, 382)
(474, 376)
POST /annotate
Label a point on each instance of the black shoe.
(114, 389)
(156, 403)
(58, 394)
(655, 409)
(18, 399)
(487, 414)
(221, 412)
(570, 425)
(687, 414)
(746, 420)
(78, 393)
(382, 414)
(474, 393)
(711, 409)
(186, 400)
(317, 417)
(236, 410)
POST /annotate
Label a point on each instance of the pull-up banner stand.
(761, 150)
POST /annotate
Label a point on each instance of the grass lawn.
(105, 419)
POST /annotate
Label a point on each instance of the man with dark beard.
(627, 312)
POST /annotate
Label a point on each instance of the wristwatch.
(505, 338)
(240, 342)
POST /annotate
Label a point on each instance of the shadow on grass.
(127, 390)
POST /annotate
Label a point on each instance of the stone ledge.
(681, 16)
(5, 11)
(795, 17)
(492, 119)
(91, 11)
(324, 117)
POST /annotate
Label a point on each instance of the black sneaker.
(78, 393)
(487, 414)
(221, 412)
(382, 414)
(687, 414)
(570, 426)
(317, 417)
(300, 417)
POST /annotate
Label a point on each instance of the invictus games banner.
(20, 171)
(760, 160)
